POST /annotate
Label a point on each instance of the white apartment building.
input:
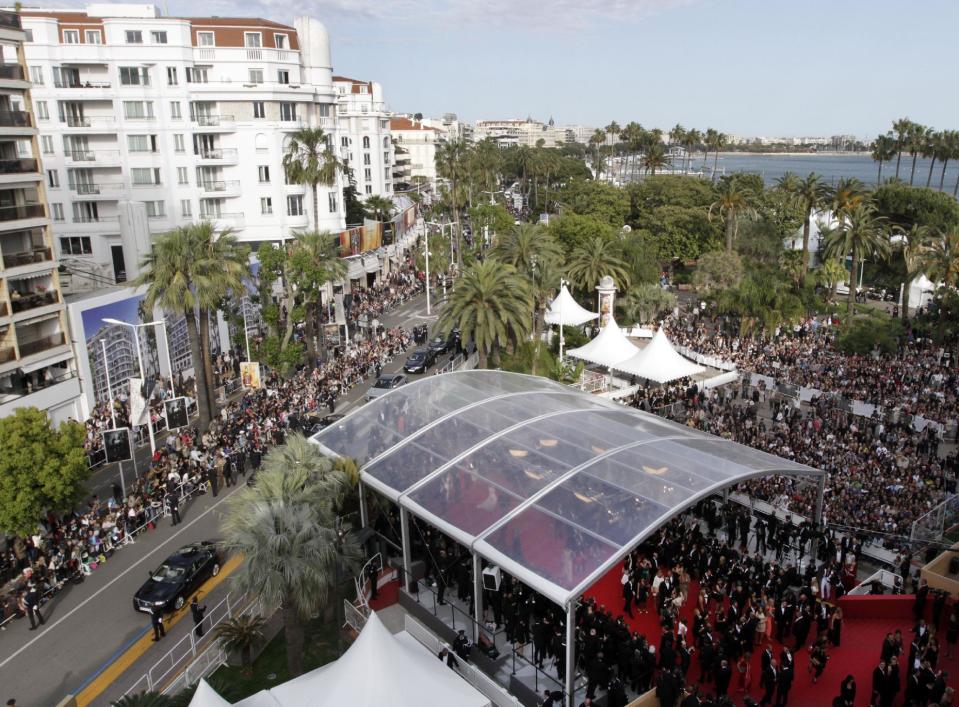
(37, 367)
(150, 122)
(363, 127)
(416, 148)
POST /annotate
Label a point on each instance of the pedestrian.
(11, 702)
(173, 502)
(32, 601)
(198, 612)
(156, 620)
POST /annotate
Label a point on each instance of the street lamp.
(442, 227)
(426, 252)
(562, 340)
(113, 418)
(136, 339)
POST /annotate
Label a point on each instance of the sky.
(744, 67)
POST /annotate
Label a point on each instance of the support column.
(570, 653)
(477, 595)
(820, 491)
(407, 565)
(364, 519)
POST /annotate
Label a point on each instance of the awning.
(659, 362)
(31, 367)
(565, 311)
(355, 268)
(371, 264)
(608, 348)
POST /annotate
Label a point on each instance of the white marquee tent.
(659, 362)
(378, 669)
(921, 290)
(607, 348)
(566, 311)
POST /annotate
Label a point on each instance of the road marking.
(114, 580)
(118, 665)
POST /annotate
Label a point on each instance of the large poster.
(250, 374)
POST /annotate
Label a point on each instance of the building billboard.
(250, 374)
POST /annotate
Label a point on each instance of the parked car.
(419, 361)
(315, 422)
(439, 345)
(181, 574)
(384, 384)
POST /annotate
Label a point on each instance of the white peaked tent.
(378, 669)
(566, 311)
(659, 362)
(205, 696)
(921, 290)
(609, 347)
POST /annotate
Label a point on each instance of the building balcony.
(7, 355)
(215, 188)
(17, 213)
(82, 84)
(214, 121)
(35, 300)
(102, 190)
(97, 122)
(29, 257)
(232, 220)
(205, 54)
(19, 166)
(11, 72)
(35, 346)
(15, 119)
(98, 157)
(96, 219)
(10, 19)
(218, 156)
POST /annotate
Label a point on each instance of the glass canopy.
(552, 484)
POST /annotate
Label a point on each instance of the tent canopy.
(659, 362)
(403, 676)
(554, 485)
(607, 348)
(566, 311)
(205, 696)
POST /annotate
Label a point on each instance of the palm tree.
(310, 160)
(612, 130)
(221, 267)
(451, 163)
(490, 306)
(949, 150)
(916, 142)
(845, 196)
(168, 272)
(715, 141)
(731, 203)
(677, 134)
(931, 149)
(941, 258)
(902, 128)
(596, 141)
(864, 234)
(831, 272)
(379, 208)
(647, 302)
(883, 149)
(810, 193)
(593, 260)
(691, 141)
(294, 546)
(314, 261)
(915, 244)
(762, 301)
(525, 246)
(144, 699)
(240, 634)
(655, 158)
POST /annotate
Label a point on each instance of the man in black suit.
(766, 660)
(769, 680)
(156, 619)
(784, 684)
(723, 675)
(197, 612)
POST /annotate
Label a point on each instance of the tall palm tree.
(916, 141)
(451, 163)
(883, 149)
(240, 634)
(491, 306)
(845, 196)
(314, 261)
(486, 164)
(902, 128)
(222, 265)
(940, 258)
(831, 273)
(931, 149)
(294, 546)
(612, 131)
(949, 150)
(596, 141)
(593, 260)
(715, 141)
(526, 245)
(655, 158)
(691, 141)
(309, 159)
(732, 201)
(677, 134)
(865, 234)
(915, 245)
(168, 272)
(379, 208)
(810, 193)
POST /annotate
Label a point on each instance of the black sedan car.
(315, 422)
(439, 345)
(419, 361)
(181, 574)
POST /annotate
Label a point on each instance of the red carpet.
(858, 653)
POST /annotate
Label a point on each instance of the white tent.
(607, 348)
(566, 311)
(378, 669)
(659, 362)
(921, 291)
(205, 696)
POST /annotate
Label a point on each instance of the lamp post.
(426, 253)
(442, 227)
(246, 334)
(562, 340)
(113, 415)
(136, 339)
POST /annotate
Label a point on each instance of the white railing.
(890, 580)
(355, 616)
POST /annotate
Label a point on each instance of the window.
(134, 36)
(142, 143)
(205, 39)
(158, 37)
(134, 76)
(53, 178)
(71, 36)
(155, 209)
(332, 199)
(386, 157)
(145, 176)
(171, 79)
(256, 75)
(344, 141)
(138, 109)
(182, 176)
(369, 188)
(76, 245)
(175, 110)
(186, 208)
(279, 40)
(93, 36)
(29, 35)
(197, 74)
(46, 144)
(56, 210)
(366, 142)
(41, 108)
(259, 110)
(178, 143)
(294, 205)
(263, 172)
(324, 110)
(282, 76)
(36, 75)
(366, 158)
(368, 174)
(386, 141)
(266, 205)
(288, 111)
(252, 40)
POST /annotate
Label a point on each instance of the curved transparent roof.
(553, 484)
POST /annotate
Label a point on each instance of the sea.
(831, 166)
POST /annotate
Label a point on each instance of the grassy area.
(270, 668)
